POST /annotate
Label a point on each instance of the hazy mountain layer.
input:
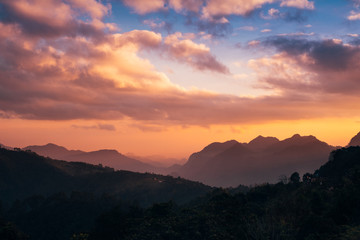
(106, 157)
(263, 159)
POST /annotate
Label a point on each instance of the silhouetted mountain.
(263, 159)
(260, 142)
(23, 174)
(4, 146)
(355, 141)
(320, 208)
(110, 158)
(200, 159)
(52, 151)
(343, 166)
(158, 160)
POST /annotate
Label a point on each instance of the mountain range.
(263, 159)
(105, 157)
(25, 173)
(227, 164)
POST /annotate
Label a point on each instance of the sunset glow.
(168, 77)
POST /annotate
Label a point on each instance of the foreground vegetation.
(321, 205)
(325, 205)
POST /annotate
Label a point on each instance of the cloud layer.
(70, 64)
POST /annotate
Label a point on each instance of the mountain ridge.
(107, 157)
(263, 159)
(355, 141)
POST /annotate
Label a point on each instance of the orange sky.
(174, 141)
(122, 74)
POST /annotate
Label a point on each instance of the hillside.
(65, 196)
(23, 174)
(355, 141)
(317, 208)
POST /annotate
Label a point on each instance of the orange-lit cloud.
(107, 127)
(214, 10)
(354, 16)
(229, 7)
(35, 17)
(322, 67)
(196, 55)
(62, 76)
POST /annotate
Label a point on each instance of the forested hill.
(51, 199)
(24, 173)
(324, 206)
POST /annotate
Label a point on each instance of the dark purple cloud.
(327, 54)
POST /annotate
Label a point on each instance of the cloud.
(354, 16)
(145, 6)
(157, 25)
(309, 67)
(247, 28)
(330, 54)
(216, 8)
(144, 127)
(34, 17)
(94, 8)
(296, 34)
(138, 38)
(302, 4)
(271, 14)
(53, 71)
(217, 27)
(196, 55)
(187, 5)
(266, 30)
(254, 43)
(107, 127)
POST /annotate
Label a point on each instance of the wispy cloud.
(107, 127)
(196, 55)
(266, 30)
(302, 4)
(354, 16)
(247, 28)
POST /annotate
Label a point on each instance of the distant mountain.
(261, 160)
(158, 160)
(260, 142)
(355, 141)
(52, 151)
(24, 174)
(6, 147)
(110, 158)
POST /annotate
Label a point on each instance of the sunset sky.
(168, 77)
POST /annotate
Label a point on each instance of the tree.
(295, 177)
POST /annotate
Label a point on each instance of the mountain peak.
(296, 136)
(47, 146)
(107, 152)
(261, 142)
(355, 141)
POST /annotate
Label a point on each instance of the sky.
(168, 77)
